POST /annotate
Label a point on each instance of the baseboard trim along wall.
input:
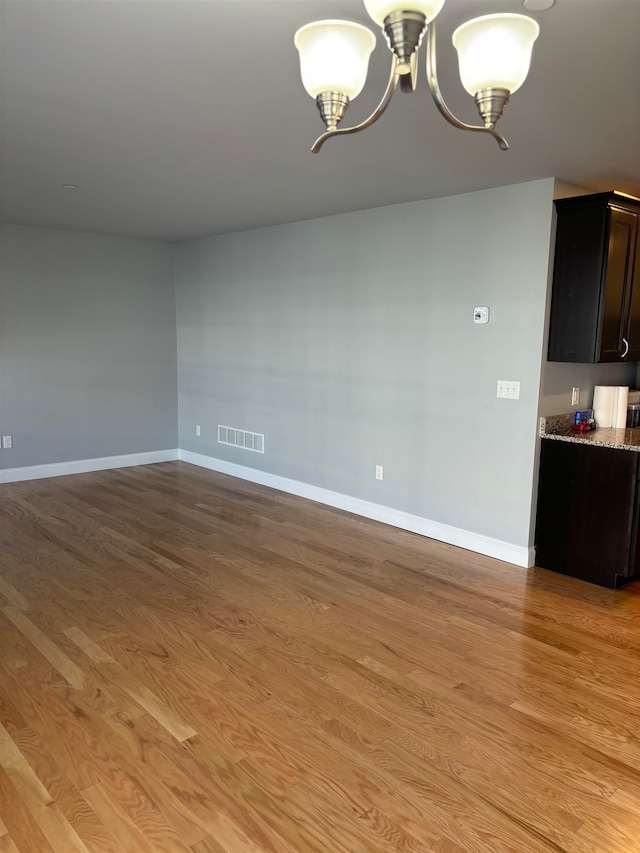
(506, 551)
(85, 466)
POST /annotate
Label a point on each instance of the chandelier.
(494, 54)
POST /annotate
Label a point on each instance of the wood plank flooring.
(194, 664)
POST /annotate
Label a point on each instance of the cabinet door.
(586, 511)
(616, 298)
(633, 322)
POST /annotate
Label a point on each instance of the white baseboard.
(516, 554)
(84, 466)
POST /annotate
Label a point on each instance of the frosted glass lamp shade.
(379, 9)
(494, 52)
(334, 56)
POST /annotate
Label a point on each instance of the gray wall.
(349, 342)
(87, 346)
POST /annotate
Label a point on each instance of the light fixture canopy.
(494, 54)
(538, 5)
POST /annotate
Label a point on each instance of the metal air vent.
(241, 438)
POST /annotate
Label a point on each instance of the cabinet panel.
(634, 562)
(554, 507)
(587, 511)
(577, 274)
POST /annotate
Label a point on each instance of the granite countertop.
(558, 428)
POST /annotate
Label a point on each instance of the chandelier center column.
(404, 32)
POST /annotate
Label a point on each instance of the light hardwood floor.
(192, 663)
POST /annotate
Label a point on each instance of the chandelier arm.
(436, 94)
(392, 85)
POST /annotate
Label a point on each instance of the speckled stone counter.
(558, 428)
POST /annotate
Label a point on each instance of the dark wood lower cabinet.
(588, 512)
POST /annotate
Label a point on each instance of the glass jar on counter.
(633, 415)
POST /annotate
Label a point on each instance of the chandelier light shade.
(494, 54)
(378, 10)
(334, 57)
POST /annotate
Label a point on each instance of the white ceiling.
(182, 118)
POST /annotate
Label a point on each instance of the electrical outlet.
(197, 430)
(379, 472)
(7, 442)
(575, 396)
(508, 389)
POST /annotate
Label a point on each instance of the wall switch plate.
(575, 396)
(7, 442)
(508, 389)
(481, 314)
(379, 472)
(198, 430)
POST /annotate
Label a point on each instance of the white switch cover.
(379, 472)
(481, 314)
(7, 442)
(508, 389)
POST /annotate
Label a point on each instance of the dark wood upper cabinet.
(595, 302)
